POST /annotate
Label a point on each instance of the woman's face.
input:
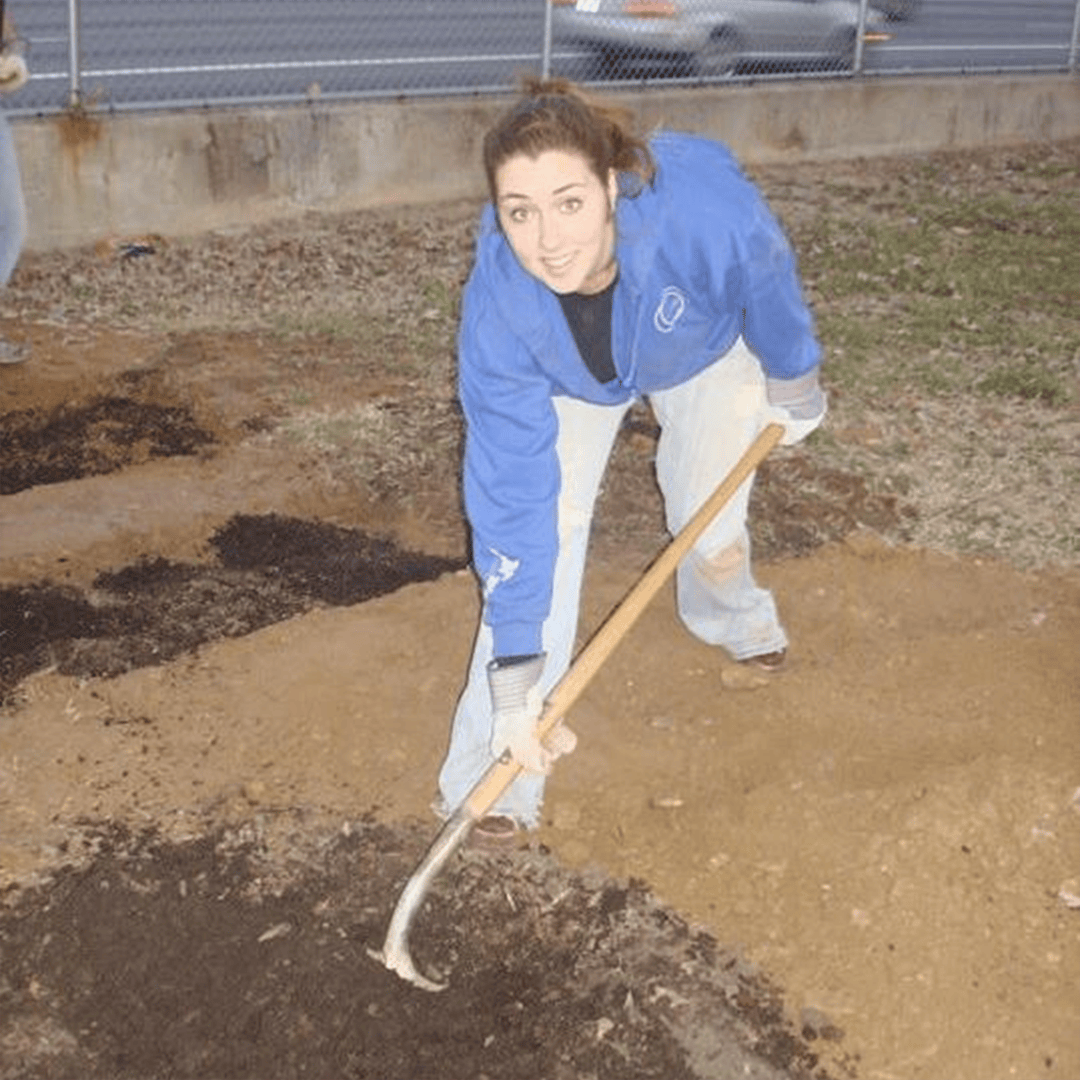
(559, 219)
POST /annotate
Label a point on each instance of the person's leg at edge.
(706, 426)
(13, 224)
(586, 435)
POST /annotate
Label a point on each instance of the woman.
(610, 268)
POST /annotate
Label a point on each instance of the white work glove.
(798, 405)
(14, 73)
(517, 704)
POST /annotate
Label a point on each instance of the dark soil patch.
(268, 568)
(207, 959)
(325, 562)
(798, 504)
(91, 439)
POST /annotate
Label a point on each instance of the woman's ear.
(613, 188)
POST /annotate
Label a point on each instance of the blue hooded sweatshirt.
(701, 260)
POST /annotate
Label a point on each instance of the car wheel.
(719, 56)
(905, 9)
(843, 52)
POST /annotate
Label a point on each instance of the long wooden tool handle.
(505, 771)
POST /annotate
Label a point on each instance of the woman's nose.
(550, 232)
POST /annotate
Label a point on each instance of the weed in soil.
(206, 958)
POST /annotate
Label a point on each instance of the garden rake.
(502, 773)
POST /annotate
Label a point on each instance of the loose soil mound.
(204, 959)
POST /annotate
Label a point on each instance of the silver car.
(716, 37)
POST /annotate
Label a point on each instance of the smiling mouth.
(559, 265)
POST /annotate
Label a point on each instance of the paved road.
(968, 35)
(139, 53)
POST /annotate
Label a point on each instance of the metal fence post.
(856, 66)
(545, 56)
(74, 55)
(1074, 48)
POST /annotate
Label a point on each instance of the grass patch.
(374, 444)
(1027, 380)
(947, 300)
(957, 294)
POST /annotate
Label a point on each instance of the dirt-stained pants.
(706, 425)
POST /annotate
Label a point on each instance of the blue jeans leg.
(12, 208)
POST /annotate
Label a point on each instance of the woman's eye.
(519, 215)
(571, 206)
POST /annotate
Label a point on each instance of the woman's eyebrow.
(558, 191)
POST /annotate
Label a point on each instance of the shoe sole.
(770, 663)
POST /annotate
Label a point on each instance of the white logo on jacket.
(670, 310)
(504, 570)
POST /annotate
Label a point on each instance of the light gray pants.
(706, 425)
(12, 206)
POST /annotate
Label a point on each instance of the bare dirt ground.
(235, 621)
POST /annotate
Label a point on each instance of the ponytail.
(555, 114)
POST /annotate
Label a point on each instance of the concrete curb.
(90, 175)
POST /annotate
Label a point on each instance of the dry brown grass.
(945, 287)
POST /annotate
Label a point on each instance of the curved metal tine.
(395, 951)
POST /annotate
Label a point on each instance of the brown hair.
(554, 114)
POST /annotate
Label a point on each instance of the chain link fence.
(144, 54)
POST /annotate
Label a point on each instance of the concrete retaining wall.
(87, 175)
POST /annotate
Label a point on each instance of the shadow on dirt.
(268, 568)
(207, 959)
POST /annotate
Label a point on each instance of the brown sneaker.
(10, 353)
(770, 662)
(496, 832)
